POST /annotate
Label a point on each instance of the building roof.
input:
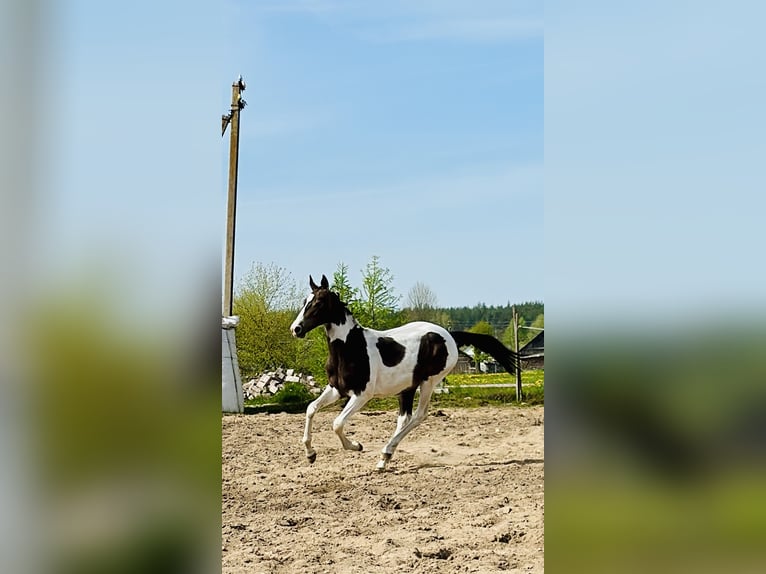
(534, 347)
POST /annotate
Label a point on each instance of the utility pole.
(516, 350)
(237, 103)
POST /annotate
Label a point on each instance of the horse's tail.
(488, 344)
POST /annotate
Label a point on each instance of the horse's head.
(321, 307)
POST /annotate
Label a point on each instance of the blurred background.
(656, 371)
(112, 211)
(112, 201)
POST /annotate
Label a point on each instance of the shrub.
(293, 393)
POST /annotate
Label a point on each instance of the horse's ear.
(312, 284)
(325, 283)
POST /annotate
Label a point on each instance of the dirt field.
(463, 493)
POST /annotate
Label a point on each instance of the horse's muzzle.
(298, 332)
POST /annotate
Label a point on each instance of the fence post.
(516, 350)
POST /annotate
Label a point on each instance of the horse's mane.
(344, 310)
(342, 303)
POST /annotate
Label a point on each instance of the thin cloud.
(476, 30)
(301, 6)
(411, 22)
(265, 126)
(487, 183)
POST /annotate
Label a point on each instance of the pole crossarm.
(225, 120)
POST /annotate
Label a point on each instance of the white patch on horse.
(328, 396)
(401, 421)
(340, 332)
(299, 318)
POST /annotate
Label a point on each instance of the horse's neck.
(340, 332)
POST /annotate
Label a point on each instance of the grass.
(531, 377)
(463, 392)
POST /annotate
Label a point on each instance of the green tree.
(508, 337)
(464, 317)
(442, 318)
(266, 301)
(341, 284)
(483, 328)
(525, 334)
(535, 327)
(377, 305)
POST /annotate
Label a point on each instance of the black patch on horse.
(348, 364)
(406, 398)
(325, 308)
(432, 357)
(391, 352)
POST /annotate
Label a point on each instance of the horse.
(364, 363)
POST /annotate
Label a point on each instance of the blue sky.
(654, 154)
(130, 107)
(413, 131)
(410, 131)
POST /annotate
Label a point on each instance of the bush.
(292, 393)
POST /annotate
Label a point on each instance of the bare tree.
(421, 303)
(266, 301)
(271, 285)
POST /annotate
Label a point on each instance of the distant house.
(533, 353)
(464, 364)
(467, 364)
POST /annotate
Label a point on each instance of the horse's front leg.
(328, 396)
(355, 403)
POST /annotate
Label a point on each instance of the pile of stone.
(271, 382)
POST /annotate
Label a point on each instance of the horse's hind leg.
(406, 399)
(404, 428)
(328, 396)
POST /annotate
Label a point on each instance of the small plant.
(292, 393)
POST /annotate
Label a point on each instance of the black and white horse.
(364, 363)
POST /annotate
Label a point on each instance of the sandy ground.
(463, 493)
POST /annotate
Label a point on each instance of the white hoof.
(384, 458)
